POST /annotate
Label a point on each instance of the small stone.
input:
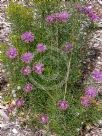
(13, 91)
(100, 122)
(77, 114)
(100, 2)
(0, 97)
(78, 129)
(18, 87)
(3, 71)
(8, 85)
(14, 95)
(87, 135)
(88, 127)
(14, 131)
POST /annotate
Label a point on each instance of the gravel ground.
(9, 128)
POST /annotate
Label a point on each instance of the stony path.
(4, 25)
(13, 128)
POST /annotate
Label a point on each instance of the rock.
(100, 2)
(14, 131)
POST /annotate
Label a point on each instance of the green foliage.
(21, 17)
(48, 88)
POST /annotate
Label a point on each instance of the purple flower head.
(68, 47)
(63, 105)
(26, 70)
(62, 16)
(50, 19)
(27, 37)
(91, 91)
(93, 16)
(97, 75)
(44, 119)
(41, 47)
(19, 102)
(58, 17)
(84, 9)
(88, 10)
(38, 68)
(85, 101)
(28, 87)
(11, 53)
(27, 57)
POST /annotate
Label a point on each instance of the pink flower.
(85, 101)
(19, 102)
(93, 16)
(83, 9)
(58, 17)
(88, 10)
(27, 57)
(97, 75)
(68, 47)
(44, 119)
(50, 19)
(62, 16)
(91, 91)
(26, 70)
(27, 37)
(63, 105)
(41, 47)
(38, 68)
(28, 87)
(12, 53)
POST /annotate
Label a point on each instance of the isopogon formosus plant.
(45, 64)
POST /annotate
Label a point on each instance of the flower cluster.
(90, 93)
(58, 17)
(61, 104)
(88, 10)
(27, 58)
(27, 37)
(38, 68)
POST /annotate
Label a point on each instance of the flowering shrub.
(45, 61)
